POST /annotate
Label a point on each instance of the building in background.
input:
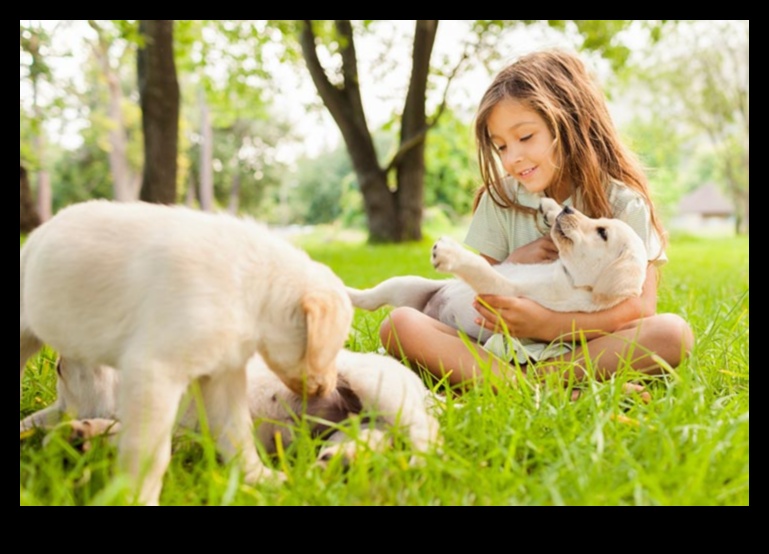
(706, 211)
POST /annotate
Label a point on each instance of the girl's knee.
(679, 331)
(395, 325)
(674, 338)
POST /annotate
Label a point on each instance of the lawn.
(530, 445)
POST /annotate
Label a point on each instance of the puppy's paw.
(447, 255)
(80, 432)
(347, 449)
(344, 452)
(550, 210)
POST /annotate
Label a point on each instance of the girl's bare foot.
(627, 389)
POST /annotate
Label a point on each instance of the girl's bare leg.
(638, 346)
(438, 348)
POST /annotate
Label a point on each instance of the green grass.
(527, 446)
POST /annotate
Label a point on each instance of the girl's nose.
(511, 157)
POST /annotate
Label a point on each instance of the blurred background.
(360, 128)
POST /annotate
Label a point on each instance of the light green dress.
(496, 232)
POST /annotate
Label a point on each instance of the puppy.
(601, 262)
(167, 295)
(374, 386)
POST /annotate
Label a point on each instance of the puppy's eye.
(603, 233)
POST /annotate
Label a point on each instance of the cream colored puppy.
(376, 386)
(372, 384)
(600, 263)
(167, 295)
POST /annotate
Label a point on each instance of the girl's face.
(524, 144)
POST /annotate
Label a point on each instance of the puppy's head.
(326, 314)
(604, 254)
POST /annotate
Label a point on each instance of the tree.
(34, 40)
(28, 216)
(393, 192)
(393, 215)
(221, 66)
(246, 167)
(125, 182)
(160, 100)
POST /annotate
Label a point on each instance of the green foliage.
(245, 152)
(34, 41)
(323, 190)
(660, 151)
(451, 176)
(27, 133)
(695, 83)
(80, 176)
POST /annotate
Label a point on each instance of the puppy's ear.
(624, 278)
(328, 317)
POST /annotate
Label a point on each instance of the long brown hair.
(590, 154)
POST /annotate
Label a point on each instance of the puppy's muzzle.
(565, 222)
(315, 385)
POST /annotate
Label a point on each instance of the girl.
(543, 129)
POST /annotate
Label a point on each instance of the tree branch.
(432, 120)
(349, 57)
(328, 92)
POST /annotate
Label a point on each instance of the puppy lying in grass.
(368, 385)
(601, 263)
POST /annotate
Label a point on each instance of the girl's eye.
(500, 148)
(526, 137)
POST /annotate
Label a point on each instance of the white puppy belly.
(453, 305)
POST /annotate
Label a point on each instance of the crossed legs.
(438, 348)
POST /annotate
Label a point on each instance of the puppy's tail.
(410, 291)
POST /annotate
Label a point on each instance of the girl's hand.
(523, 318)
(538, 251)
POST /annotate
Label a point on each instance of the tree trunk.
(234, 204)
(44, 202)
(159, 91)
(206, 156)
(123, 180)
(44, 192)
(747, 213)
(190, 197)
(28, 216)
(410, 169)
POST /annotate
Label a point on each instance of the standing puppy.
(167, 295)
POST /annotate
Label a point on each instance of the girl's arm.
(538, 251)
(525, 318)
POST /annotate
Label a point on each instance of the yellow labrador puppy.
(371, 385)
(167, 295)
(601, 262)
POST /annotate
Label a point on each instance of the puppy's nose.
(567, 210)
